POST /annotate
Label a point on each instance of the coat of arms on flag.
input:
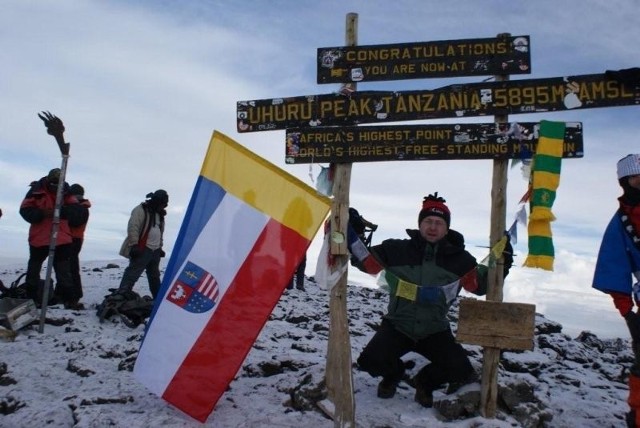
(195, 289)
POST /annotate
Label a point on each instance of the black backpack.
(132, 308)
(18, 290)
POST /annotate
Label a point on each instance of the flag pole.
(339, 377)
(55, 127)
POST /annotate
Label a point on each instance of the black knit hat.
(434, 205)
(54, 175)
(159, 197)
(76, 189)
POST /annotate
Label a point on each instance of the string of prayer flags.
(424, 293)
(521, 217)
(360, 252)
(545, 179)
(496, 252)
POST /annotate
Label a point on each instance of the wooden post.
(489, 390)
(339, 377)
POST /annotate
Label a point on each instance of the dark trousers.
(148, 261)
(65, 289)
(448, 361)
(298, 276)
(76, 247)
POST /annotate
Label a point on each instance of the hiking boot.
(74, 305)
(300, 288)
(423, 397)
(454, 386)
(387, 388)
(630, 419)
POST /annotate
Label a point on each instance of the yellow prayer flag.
(407, 290)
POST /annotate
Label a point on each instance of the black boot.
(423, 397)
(454, 386)
(387, 387)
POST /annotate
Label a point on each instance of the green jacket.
(423, 280)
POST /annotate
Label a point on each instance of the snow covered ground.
(77, 373)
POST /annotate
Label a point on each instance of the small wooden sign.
(496, 324)
(516, 140)
(446, 58)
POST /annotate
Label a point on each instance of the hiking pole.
(54, 127)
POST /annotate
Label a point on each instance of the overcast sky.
(141, 86)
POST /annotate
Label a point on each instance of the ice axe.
(55, 127)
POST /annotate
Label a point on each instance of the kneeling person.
(432, 265)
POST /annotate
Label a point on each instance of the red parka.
(37, 209)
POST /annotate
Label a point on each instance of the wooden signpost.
(323, 128)
(495, 279)
(339, 377)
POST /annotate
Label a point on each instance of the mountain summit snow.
(77, 373)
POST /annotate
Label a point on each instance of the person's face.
(634, 181)
(433, 228)
(52, 186)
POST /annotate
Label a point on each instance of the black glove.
(507, 255)
(134, 251)
(633, 322)
(162, 253)
(32, 215)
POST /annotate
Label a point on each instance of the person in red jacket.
(77, 235)
(37, 209)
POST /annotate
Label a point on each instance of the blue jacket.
(618, 258)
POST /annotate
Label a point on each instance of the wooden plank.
(453, 101)
(445, 58)
(516, 140)
(496, 324)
